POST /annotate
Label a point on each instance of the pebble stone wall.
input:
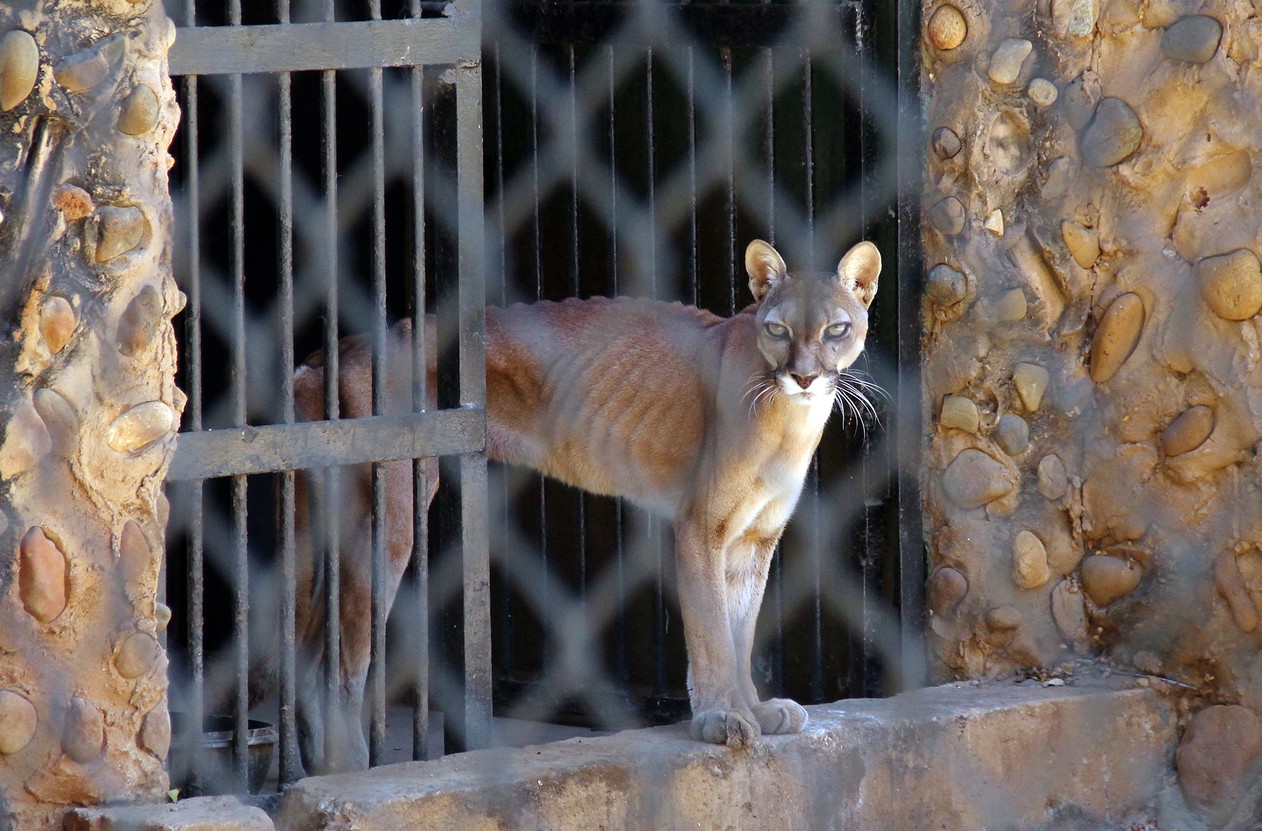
(1093, 353)
(88, 406)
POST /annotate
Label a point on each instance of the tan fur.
(708, 421)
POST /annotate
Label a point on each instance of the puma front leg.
(720, 708)
(749, 565)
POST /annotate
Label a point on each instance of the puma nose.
(803, 381)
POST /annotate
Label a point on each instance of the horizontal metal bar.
(726, 24)
(299, 47)
(313, 444)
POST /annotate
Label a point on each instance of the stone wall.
(1093, 348)
(88, 405)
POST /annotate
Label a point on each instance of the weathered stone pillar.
(88, 404)
(1094, 350)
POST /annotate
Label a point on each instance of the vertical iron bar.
(420, 403)
(651, 525)
(544, 593)
(769, 144)
(869, 545)
(332, 410)
(577, 289)
(808, 129)
(193, 362)
(816, 543)
(769, 87)
(241, 562)
(622, 652)
(729, 156)
(472, 293)
(694, 241)
(289, 764)
(507, 653)
(911, 160)
(377, 603)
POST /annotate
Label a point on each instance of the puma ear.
(859, 269)
(765, 268)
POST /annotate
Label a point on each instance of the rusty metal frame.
(234, 50)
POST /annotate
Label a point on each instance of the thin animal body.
(711, 422)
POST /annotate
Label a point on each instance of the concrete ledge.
(952, 757)
(211, 813)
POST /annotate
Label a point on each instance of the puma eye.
(777, 331)
(837, 330)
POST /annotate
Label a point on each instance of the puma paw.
(780, 715)
(728, 727)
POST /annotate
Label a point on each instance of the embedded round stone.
(1231, 284)
(959, 412)
(946, 144)
(161, 616)
(1003, 618)
(140, 426)
(1107, 579)
(1217, 760)
(1069, 613)
(1076, 17)
(41, 576)
(1042, 92)
(17, 722)
(947, 587)
(1189, 431)
(73, 201)
(19, 68)
(1116, 336)
(947, 27)
(59, 418)
(1112, 135)
(26, 441)
(1030, 381)
(1011, 306)
(948, 216)
(1007, 60)
(134, 555)
(1231, 585)
(84, 732)
(1012, 433)
(1193, 39)
(946, 286)
(139, 111)
(118, 229)
(139, 321)
(1029, 561)
(1083, 243)
(974, 479)
(57, 323)
(137, 655)
(86, 69)
(155, 731)
(1053, 478)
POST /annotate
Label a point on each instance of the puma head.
(811, 326)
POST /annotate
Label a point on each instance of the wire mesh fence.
(345, 166)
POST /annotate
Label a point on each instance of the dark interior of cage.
(560, 558)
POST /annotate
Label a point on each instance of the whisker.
(852, 400)
(761, 385)
(865, 380)
(848, 406)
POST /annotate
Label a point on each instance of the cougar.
(708, 421)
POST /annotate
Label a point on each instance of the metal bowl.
(208, 769)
